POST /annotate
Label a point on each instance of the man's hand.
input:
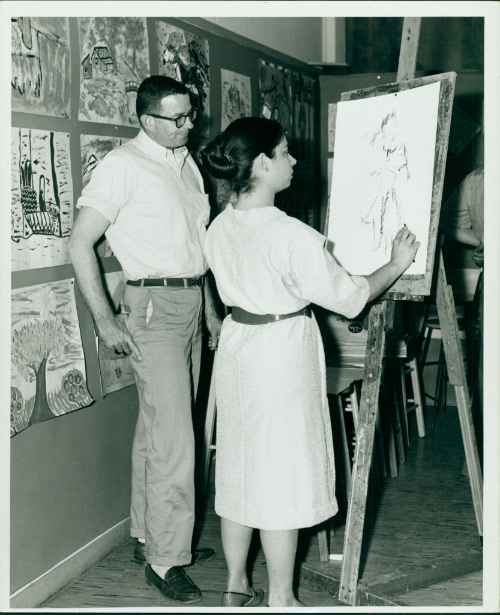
(214, 325)
(114, 335)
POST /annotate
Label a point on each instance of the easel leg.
(363, 454)
(456, 373)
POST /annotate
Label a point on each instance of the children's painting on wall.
(41, 198)
(276, 94)
(185, 58)
(236, 97)
(93, 150)
(41, 76)
(382, 176)
(303, 143)
(116, 369)
(48, 375)
(114, 60)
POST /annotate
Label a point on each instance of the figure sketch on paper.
(42, 198)
(388, 166)
(40, 78)
(185, 58)
(47, 362)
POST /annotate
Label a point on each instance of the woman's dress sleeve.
(312, 273)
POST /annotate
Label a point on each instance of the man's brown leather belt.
(247, 318)
(185, 282)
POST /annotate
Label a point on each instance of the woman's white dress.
(275, 466)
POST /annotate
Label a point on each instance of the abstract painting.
(276, 94)
(303, 149)
(185, 57)
(116, 369)
(42, 198)
(114, 60)
(41, 75)
(236, 97)
(93, 150)
(48, 376)
(382, 176)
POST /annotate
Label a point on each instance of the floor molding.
(54, 580)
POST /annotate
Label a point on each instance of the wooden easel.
(379, 322)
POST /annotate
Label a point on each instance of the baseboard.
(49, 583)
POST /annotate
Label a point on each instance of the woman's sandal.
(236, 599)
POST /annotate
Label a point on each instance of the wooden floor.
(423, 547)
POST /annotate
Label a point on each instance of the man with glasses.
(147, 197)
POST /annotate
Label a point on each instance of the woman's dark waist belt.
(247, 318)
(185, 282)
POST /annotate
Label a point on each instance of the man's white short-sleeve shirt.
(154, 200)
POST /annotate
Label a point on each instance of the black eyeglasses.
(179, 121)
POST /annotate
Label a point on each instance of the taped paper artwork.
(382, 176)
(114, 60)
(48, 375)
(41, 76)
(185, 58)
(41, 198)
(236, 97)
(116, 369)
(276, 94)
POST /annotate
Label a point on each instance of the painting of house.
(114, 61)
(102, 61)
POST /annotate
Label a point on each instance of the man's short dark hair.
(153, 90)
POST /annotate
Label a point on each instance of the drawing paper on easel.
(382, 176)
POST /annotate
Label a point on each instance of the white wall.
(299, 37)
(333, 40)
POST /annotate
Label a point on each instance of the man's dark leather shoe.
(176, 585)
(199, 555)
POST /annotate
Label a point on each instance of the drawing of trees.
(32, 345)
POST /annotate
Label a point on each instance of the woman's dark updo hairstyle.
(230, 155)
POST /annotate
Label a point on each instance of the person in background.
(275, 465)
(147, 197)
(462, 219)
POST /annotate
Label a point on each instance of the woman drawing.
(275, 466)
